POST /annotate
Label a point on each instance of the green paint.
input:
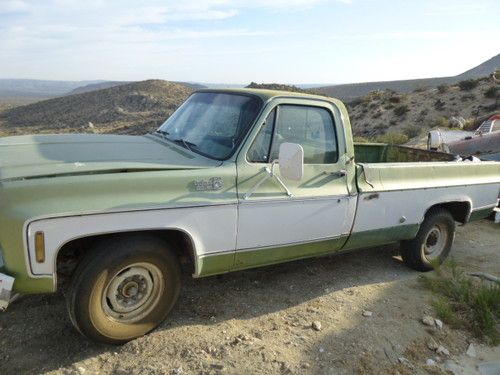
(381, 236)
(382, 153)
(266, 256)
(244, 259)
(215, 264)
(480, 214)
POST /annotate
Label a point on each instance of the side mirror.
(291, 161)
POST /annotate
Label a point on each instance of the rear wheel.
(432, 244)
(124, 288)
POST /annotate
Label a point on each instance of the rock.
(442, 350)
(285, 368)
(432, 344)
(321, 350)
(316, 325)
(454, 368)
(430, 362)
(81, 370)
(439, 323)
(367, 313)
(471, 351)
(306, 365)
(428, 321)
(90, 125)
(405, 362)
(177, 371)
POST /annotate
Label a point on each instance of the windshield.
(212, 124)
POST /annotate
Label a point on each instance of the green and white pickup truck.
(234, 179)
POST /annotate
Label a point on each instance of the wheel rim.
(133, 292)
(435, 242)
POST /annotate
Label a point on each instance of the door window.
(311, 127)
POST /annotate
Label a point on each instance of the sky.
(236, 41)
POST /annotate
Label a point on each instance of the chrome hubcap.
(133, 292)
(435, 241)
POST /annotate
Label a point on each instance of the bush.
(468, 84)
(412, 131)
(471, 124)
(466, 303)
(491, 93)
(359, 139)
(440, 122)
(395, 99)
(392, 138)
(401, 110)
(443, 88)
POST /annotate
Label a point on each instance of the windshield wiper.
(186, 144)
(162, 133)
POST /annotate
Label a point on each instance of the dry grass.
(464, 302)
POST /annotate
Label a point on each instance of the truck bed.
(383, 153)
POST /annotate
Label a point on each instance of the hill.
(109, 84)
(95, 87)
(385, 114)
(353, 90)
(36, 89)
(136, 107)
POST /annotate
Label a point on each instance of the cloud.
(13, 6)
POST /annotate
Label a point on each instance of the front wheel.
(432, 243)
(124, 288)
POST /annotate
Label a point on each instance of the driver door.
(316, 219)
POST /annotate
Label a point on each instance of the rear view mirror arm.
(269, 174)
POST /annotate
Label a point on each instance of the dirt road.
(259, 321)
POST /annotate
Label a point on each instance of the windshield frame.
(241, 137)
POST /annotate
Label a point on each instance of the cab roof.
(265, 95)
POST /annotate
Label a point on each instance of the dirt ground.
(259, 322)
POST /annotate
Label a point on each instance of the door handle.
(341, 173)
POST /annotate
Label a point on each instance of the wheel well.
(70, 254)
(459, 210)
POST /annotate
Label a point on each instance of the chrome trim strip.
(274, 246)
(299, 199)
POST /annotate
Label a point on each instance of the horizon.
(231, 42)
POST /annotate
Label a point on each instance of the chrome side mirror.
(291, 161)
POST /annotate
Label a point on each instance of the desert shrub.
(443, 88)
(491, 93)
(466, 97)
(359, 139)
(468, 84)
(464, 302)
(420, 89)
(392, 138)
(412, 131)
(381, 126)
(389, 106)
(439, 105)
(372, 96)
(395, 99)
(401, 110)
(471, 124)
(440, 122)
(377, 114)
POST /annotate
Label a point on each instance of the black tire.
(416, 253)
(124, 288)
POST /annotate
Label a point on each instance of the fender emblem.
(213, 183)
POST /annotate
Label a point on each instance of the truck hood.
(55, 155)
